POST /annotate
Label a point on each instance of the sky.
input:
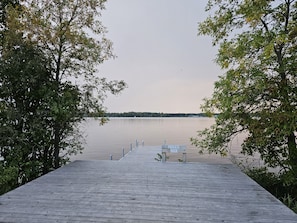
(166, 65)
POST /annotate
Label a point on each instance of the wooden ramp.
(144, 191)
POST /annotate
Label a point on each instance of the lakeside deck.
(139, 189)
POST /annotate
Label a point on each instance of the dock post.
(131, 147)
(184, 157)
(110, 157)
(142, 143)
(123, 152)
(136, 143)
(163, 157)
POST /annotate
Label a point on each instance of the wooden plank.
(146, 191)
(143, 154)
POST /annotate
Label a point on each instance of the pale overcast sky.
(167, 67)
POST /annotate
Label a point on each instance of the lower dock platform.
(143, 190)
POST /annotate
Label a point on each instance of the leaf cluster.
(257, 94)
(279, 185)
(50, 52)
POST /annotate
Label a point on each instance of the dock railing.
(165, 149)
(137, 144)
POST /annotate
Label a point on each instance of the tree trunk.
(292, 153)
(45, 166)
(56, 145)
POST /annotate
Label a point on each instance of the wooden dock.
(142, 154)
(140, 189)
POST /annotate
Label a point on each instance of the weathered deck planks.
(142, 154)
(146, 191)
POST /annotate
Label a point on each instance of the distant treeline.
(150, 114)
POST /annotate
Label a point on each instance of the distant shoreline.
(150, 114)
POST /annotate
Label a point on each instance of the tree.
(4, 5)
(26, 83)
(65, 31)
(27, 115)
(258, 93)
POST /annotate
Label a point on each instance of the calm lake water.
(119, 133)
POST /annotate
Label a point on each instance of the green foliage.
(50, 52)
(257, 94)
(290, 202)
(270, 181)
(8, 178)
(4, 4)
(276, 184)
(25, 85)
(65, 33)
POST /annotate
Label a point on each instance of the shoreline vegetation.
(150, 114)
